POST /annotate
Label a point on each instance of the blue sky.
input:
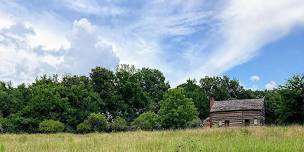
(275, 62)
(258, 42)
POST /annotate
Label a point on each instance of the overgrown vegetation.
(130, 98)
(51, 126)
(146, 121)
(255, 139)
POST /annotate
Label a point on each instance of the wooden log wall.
(237, 118)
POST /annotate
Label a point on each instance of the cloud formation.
(181, 38)
(254, 78)
(87, 50)
(246, 26)
(19, 62)
(271, 85)
(22, 62)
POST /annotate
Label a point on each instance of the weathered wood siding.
(237, 118)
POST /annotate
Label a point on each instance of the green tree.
(146, 121)
(135, 99)
(176, 110)
(273, 99)
(10, 100)
(292, 105)
(223, 88)
(45, 103)
(216, 87)
(81, 98)
(199, 97)
(104, 84)
(154, 84)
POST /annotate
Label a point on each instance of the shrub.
(176, 111)
(7, 125)
(195, 123)
(51, 126)
(97, 121)
(119, 124)
(83, 128)
(146, 121)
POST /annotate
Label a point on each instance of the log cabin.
(236, 113)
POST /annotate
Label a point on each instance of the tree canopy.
(176, 110)
(128, 97)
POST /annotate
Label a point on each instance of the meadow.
(256, 139)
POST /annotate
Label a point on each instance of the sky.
(260, 43)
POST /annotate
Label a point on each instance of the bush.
(176, 111)
(146, 121)
(83, 128)
(97, 121)
(51, 126)
(7, 125)
(119, 124)
(195, 123)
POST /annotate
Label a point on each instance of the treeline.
(129, 99)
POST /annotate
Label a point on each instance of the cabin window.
(220, 123)
(255, 121)
(247, 122)
(226, 123)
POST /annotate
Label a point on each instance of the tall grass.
(258, 139)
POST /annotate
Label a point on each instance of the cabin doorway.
(226, 123)
(247, 122)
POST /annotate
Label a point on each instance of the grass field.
(227, 139)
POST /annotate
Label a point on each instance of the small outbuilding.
(236, 113)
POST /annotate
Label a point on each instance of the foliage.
(1, 128)
(131, 93)
(83, 127)
(135, 100)
(97, 122)
(51, 126)
(146, 121)
(81, 99)
(273, 100)
(199, 97)
(119, 124)
(195, 123)
(292, 105)
(10, 100)
(103, 82)
(223, 88)
(176, 110)
(154, 85)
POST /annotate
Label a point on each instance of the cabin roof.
(233, 105)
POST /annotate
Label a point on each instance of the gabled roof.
(243, 104)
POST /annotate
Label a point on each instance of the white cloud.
(219, 37)
(87, 50)
(94, 7)
(19, 62)
(271, 85)
(5, 21)
(50, 28)
(254, 78)
(246, 26)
